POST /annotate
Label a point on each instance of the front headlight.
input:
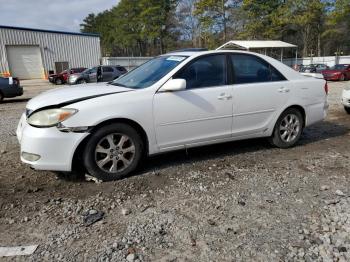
(50, 117)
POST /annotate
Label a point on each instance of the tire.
(347, 109)
(58, 81)
(342, 78)
(102, 157)
(1, 97)
(291, 120)
(81, 81)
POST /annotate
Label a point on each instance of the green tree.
(89, 23)
(308, 16)
(336, 35)
(263, 20)
(156, 16)
(214, 17)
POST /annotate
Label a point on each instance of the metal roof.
(256, 44)
(48, 31)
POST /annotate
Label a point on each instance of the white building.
(34, 53)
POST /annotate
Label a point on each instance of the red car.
(338, 72)
(62, 77)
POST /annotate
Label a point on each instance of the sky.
(62, 15)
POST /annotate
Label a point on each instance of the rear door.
(259, 92)
(107, 73)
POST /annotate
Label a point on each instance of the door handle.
(224, 96)
(283, 90)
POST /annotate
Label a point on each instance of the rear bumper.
(316, 113)
(332, 78)
(12, 91)
(346, 98)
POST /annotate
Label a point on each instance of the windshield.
(150, 72)
(90, 70)
(339, 67)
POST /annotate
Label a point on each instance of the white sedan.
(175, 101)
(346, 98)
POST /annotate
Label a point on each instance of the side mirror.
(174, 85)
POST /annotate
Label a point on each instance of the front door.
(92, 75)
(202, 112)
(259, 92)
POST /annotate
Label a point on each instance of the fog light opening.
(30, 157)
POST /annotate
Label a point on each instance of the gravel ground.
(240, 201)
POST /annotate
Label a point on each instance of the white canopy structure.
(250, 45)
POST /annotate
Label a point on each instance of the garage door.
(25, 61)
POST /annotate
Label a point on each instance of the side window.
(120, 68)
(205, 72)
(275, 75)
(250, 69)
(107, 69)
(92, 70)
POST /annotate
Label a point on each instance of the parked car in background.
(10, 87)
(338, 72)
(62, 77)
(97, 74)
(174, 101)
(346, 99)
(313, 68)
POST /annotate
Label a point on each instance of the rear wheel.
(288, 129)
(113, 152)
(347, 109)
(342, 78)
(1, 97)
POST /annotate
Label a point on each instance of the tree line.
(152, 27)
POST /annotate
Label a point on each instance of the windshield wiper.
(115, 84)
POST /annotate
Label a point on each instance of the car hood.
(68, 95)
(331, 71)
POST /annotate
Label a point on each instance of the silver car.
(97, 74)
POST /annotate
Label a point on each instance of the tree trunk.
(319, 44)
(224, 20)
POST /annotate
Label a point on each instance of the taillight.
(326, 88)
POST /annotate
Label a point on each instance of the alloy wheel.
(289, 128)
(114, 153)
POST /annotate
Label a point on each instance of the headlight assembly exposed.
(50, 117)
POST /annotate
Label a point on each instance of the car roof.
(199, 53)
(282, 68)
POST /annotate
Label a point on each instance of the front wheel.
(347, 109)
(81, 81)
(113, 152)
(288, 129)
(1, 97)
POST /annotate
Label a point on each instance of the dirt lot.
(241, 201)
